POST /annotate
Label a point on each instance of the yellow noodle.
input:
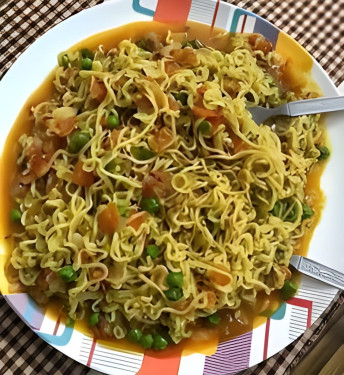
(219, 218)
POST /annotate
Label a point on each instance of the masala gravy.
(205, 339)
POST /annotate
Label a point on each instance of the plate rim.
(317, 68)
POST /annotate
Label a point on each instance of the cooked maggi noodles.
(149, 199)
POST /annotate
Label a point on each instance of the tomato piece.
(211, 299)
(39, 165)
(65, 126)
(157, 184)
(201, 90)
(136, 219)
(161, 140)
(205, 112)
(103, 121)
(214, 117)
(144, 105)
(216, 121)
(62, 127)
(108, 219)
(39, 153)
(98, 90)
(238, 143)
(81, 177)
(51, 144)
(219, 278)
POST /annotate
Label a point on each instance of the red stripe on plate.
(266, 339)
(215, 13)
(243, 23)
(154, 365)
(172, 11)
(303, 303)
(57, 325)
(91, 352)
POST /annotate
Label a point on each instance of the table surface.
(318, 26)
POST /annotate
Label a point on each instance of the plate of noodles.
(147, 221)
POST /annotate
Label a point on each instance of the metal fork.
(298, 108)
(318, 271)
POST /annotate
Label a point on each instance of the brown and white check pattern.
(22, 352)
(23, 21)
(317, 25)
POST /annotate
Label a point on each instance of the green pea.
(174, 279)
(153, 251)
(324, 152)
(111, 166)
(205, 127)
(174, 294)
(307, 211)
(146, 341)
(15, 215)
(63, 59)
(78, 140)
(94, 319)
(112, 121)
(214, 318)
(141, 153)
(150, 205)
(288, 290)
(159, 343)
(134, 335)
(86, 63)
(86, 53)
(182, 97)
(68, 274)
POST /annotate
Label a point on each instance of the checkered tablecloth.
(317, 25)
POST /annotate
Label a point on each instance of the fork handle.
(313, 106)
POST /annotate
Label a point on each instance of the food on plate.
(146, 198)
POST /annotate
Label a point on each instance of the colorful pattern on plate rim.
(284, 326)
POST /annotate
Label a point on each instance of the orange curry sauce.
(204, 340)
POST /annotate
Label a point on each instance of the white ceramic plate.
(295, 315)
